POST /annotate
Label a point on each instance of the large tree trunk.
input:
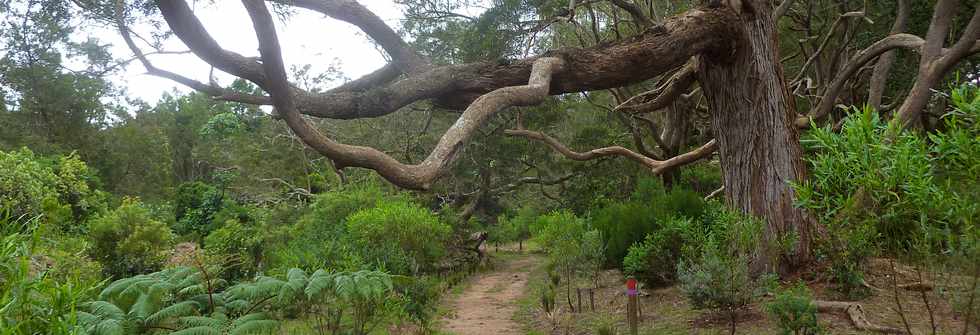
(752, 118)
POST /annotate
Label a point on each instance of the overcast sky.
(307, 38)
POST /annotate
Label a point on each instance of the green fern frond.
(109, 327)
(199, 321)
(318, 282)
(202, 330)
(183, 308)
(105, 310)
(255, 327)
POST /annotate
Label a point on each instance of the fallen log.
(856, 314)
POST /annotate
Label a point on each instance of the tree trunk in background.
(752, 118)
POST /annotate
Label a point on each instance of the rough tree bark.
(752, 119)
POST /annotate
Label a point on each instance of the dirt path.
(488, 303)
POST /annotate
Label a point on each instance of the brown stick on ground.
(857, 316)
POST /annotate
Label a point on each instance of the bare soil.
(488, 301)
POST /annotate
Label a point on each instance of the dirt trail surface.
(487, 305)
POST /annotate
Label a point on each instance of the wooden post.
(578, 291)
(639, 306)
(592, 298)
(631, 306)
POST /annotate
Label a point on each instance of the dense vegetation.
(198, 214)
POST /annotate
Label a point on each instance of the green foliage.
(655, 259)
(182, 301)
(624, 223)
(241, 247)
(794, 311)
(195, 206)
(60, 190)
(127, 240)
(34, 300)
(399, 236)
(420, 297)
(716, 273)
(877, 187)
(318, 238)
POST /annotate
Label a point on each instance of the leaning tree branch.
(656, 166)
(632, 60)
(634, 11)
(936, 61)
(663, 95)
(189, 29)
(212, 90)
(352, 12)
(879, 76)
(418, 176)
(782, 9)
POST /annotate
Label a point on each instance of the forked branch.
(417, 176)
(656, 166)
(663, 95)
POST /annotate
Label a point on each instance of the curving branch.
(663, 95)
(455, 86)
(829, 98)
(656, 166)
(782, 9)
(404, 57)
(936, 61)
(212, 90)
(634, 11)
(826, 40)
(417, 176)
(879, 76)
(532, 180)
(189, 30)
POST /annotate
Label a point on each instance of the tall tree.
(730, 47)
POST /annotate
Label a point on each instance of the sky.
(307, 38)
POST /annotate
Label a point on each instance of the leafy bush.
(239, 245)
(35, 302)
(878, 187)
(716, 273)
(420, 298)
(400, 236)
(318, 238)
(195, 206)
(654, 260)
(128, 241)
(59, 190)
(624, 224)
(794, 311)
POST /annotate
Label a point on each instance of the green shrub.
(400, 236)
(59, 190)
(654, 260)
(420, 300)
(716, 274)
(794, 311)
(318, 238)
(240, 246)
(185, 300)
(195, 206)
(877, 187)
(34, 300)
(128, 241)
(623, 224)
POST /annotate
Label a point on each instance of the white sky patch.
(306, 38)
